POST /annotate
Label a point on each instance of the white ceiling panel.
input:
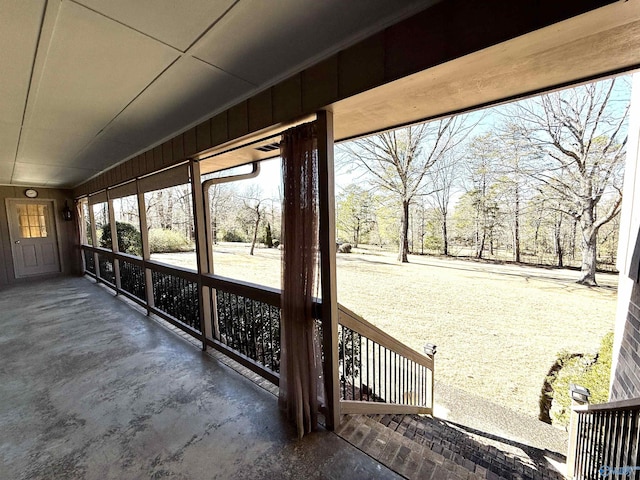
(6, 170)
(176, 23)
(103, 152)
(51, 147)
(166, 107)
(261, 41)
(9, 134)
(19, 26)
(94, 68)
(65, 175)
(46, 175)
(60, 179)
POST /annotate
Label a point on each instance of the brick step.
(425, 447)
(401, 454)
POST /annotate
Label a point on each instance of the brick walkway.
(421, 447)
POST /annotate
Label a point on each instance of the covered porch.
(92, 388)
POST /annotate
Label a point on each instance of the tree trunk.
(574, 232)
(404, 233)
(480, 245)
(558, 244)
(589, 252)
(516, 228)
(255, 231)
(215, 230)
(168, 214)
(356, 236)
(445, 240)
(557, 241)
(535, 237)
(422, 232)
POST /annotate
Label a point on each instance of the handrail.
(182, 272)
(127, 257)
(630, 404)
(91, 248)
(358, 324)
(271, 296)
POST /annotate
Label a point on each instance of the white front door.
(34, 240)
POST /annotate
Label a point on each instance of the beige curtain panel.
(300, 367)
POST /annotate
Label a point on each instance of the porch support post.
(146, 253)
(114, 242)
(573, 442)
(94, 241)
(213, 328)
(327, 243)
(200, 227)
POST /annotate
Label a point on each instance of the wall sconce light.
(430, 349)
(67, 214)
(579, 394)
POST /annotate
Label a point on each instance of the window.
(103, 229)
(125, 209)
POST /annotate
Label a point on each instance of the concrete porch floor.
(92, 389)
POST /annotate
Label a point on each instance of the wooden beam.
(327, 244)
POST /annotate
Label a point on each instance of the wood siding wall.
(67, 231)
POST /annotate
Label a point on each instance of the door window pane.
(32, 220)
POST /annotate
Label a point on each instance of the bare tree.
(443, 177)
(580, 142)
(513, 148)
(481, 196)
(254, 204)
(219, 201)
(355, 213)
(398, 162)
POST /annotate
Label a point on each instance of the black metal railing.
(105, 266)
(132, 279)
(177, 296)
(246, 323)
(89, 261)
(372, 372)
(251, 327)
(373, 366)
(607, 441)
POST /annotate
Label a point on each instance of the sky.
(269, 179)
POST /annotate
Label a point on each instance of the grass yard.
(498, 328)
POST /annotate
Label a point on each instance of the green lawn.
(498, 328)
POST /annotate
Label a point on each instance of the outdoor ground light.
(67, 215)
(579, 394)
